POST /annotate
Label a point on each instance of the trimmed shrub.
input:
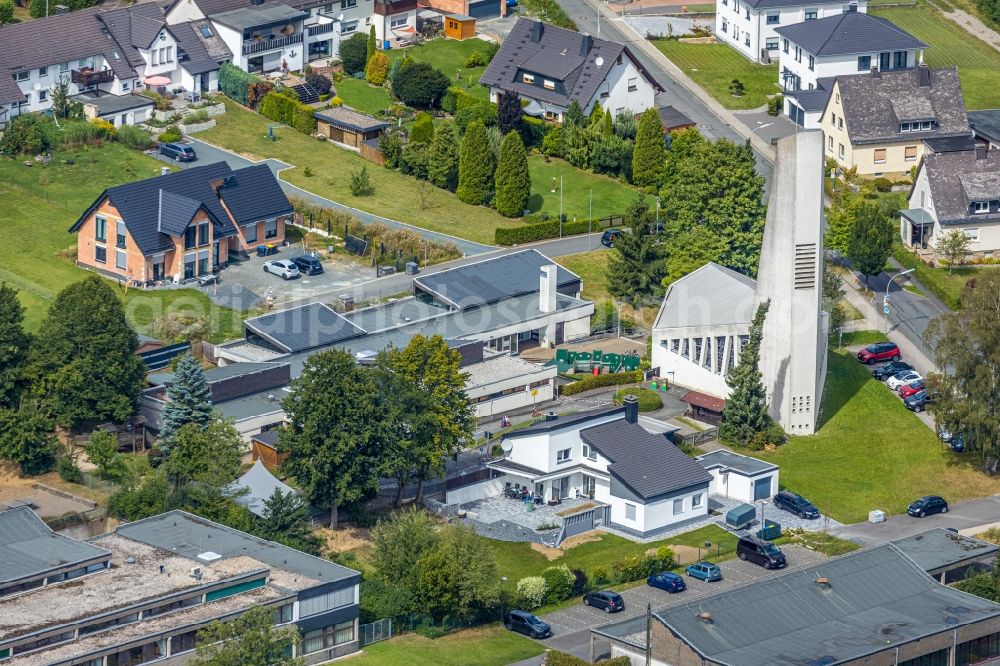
(531, 592)
(304, 120)
(284, 107)
(377, 69)
(423, 128)
(68, 471)
(420, 85)
(475, 59)
(513, 182)
(235, 83)
(534, 131)
(540, 231)
(580, 582)
(882, 184)
(649, 401)
(172, 135)
(134, 137)
(319, 83)
(775, 105)
(336, 100)
(599, 381)
(558, 583)
(599, 575)
(354, 53)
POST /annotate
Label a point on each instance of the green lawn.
(449, 56)
(978, 63)
(944, 283)
(714, 66)
(40, 205)
(592, 267)
(396, 196)
(871, 453)
(357, 94)
(482, 646)
(610, 197)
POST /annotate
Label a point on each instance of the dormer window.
(528, 78)
(549, 85)
(980, 207)
(918, 126)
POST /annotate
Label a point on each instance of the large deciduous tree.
(649, 156)
(334, 436)
(513, 182)
(636, 268)
(458, 577)
(26, 439)
(249, 640)
(14, 344)
(354, 53)
(84, 358)
(871, 240)
(745, 414)
(208, 455)
(967, 342)
(476, 165)
(189, 400)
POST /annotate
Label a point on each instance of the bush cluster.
(556, 584)
(285, 108)
(556, 658)
(599, 381)
(235, 83)
(550, 12)
(34, 134)
(636, 567)
(540, 231)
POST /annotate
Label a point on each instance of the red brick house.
(182, 225)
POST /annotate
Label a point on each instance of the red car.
(880, 351)
(906, 390)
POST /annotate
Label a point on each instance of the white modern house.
(955, 191)
(813, 54)
(740, 477)
(552, 67)
(263, 38)
(647, 484)
(750, 26)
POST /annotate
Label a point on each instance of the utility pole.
(590, 222)
(560, 206)
(649, 632)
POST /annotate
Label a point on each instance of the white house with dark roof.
(750, 26)
(552, 67)
(955, 191)
(814, 53)
(879, 122)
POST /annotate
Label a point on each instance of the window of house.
(678, 506)
(883, 60)
(725, 25)
(347, 27)
(189, 263)
(629, 511)
(100, 254)
(397, 21)
(271, 228)
(771, 43)
(633, 84)
(125, 86)
(120, 234)
(347, 4)
(327, 9)
(972, 235)
(746, 38)
(773, 18)
(880, 156)
(838, 98)
(899, 59)
(811, 86)
(183, 642)
(696, 500)
(784, 45)
(528, 78)
(840, 151)
(563, 455)
(328, 637)
(927, 125)
(43, 71)
(811, 14)
(170, 54)
(747, 15)
(190, 237)
(904, 127)
(206, 31)
(833, 119)
(980, 207)
(203, 262)
(548, 85)
(121, 259)
(153, 57)
(910, 153)
(798, 54)
(864, 63)
(840, 122)
(812, 62)
(100, 228)
(829, 143)
(23, 75)
(203, 233)
(589, 453)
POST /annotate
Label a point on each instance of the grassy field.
(714, 66)
(359, 95)
(482, 646)
(978, 62)
(611, 197)
(396, 196)
(592, 267)
(40, 205)
(449, 56)
(944, 283)
(871, 453)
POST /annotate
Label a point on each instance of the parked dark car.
(883, 372)
(309, 264)
(178, 151)
(927, 505)
(957, 443)
(764, 553)
(609, 237)
(526, 623)
(609, 602)
(796, 504)
(667, 581)
(880, 351)
(706, 571)
(918, 401)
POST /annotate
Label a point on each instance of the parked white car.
(283, 268)
(901, 378)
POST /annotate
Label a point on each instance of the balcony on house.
(263, 27)
(320, 28)
(86, 76)
(270, 42)
(391, 7)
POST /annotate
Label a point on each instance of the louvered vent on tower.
(805, 266)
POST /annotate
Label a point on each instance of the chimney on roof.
(547, 283)
(586, 44)
(982, 151)
(164, 171)
(852, 8)
(923, 76)
(631, 408)
(823, 583)
(537, 28)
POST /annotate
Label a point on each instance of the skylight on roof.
(206, 31)
(209, 556)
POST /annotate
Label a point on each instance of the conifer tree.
(14, 344)
(513, 181)
(649, 155)
(370, 47)
(476, 165)
(188, 401)
(509, 112)
(442, 167)
(636, 267)
(745, 413)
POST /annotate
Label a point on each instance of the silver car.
(283, 268)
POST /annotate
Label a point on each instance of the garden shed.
(347, 127)
(459, 26)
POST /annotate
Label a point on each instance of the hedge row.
(634, 568)
(235, 83)
(599, 381)
(541, 231)
(285, 108)
(556, 658)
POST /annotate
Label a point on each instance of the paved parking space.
(339, 274)
(571, 626)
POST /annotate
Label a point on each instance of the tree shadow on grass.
(535, 202)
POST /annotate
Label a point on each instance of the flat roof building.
(142, 592)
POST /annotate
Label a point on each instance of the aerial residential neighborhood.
(499, 332)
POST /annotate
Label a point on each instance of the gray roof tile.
(872, 101)
(194, 55)
(254, 194)
(651, 465)
(175, 212)
(849, 33)
(713, 295)
(348, 119)
(28, 547)
(214, 45)
(306, 327)
(986, 123)
(957, 179)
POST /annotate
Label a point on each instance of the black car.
(178, 151)
(796, 504)
(764, 553)
(526, 623)
(957, 443)
(609, 602)
(927, 505)
(883, 372)
(309, 264)
(609, 237)
(918, 401)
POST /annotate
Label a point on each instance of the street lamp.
(763, 503)
(503, 595)
(885, 299)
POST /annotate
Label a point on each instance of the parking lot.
(571, 626)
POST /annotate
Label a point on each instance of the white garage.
(740, 477)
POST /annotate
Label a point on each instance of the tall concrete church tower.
(794, 346)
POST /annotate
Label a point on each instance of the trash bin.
(412, 268)
(876, 516)
(770, 531)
